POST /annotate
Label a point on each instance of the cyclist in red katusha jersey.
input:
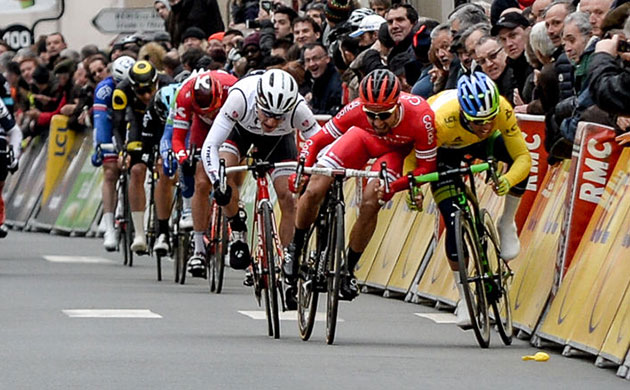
(383, 123)
(196, 106)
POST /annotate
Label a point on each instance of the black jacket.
(204, 14)
(327, 92)
(610, 83)
(521, 70)
(564, 70)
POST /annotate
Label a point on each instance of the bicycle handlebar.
(260, 165)
(435, 176)
(343, 172)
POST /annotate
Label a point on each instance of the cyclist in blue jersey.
(103, 134)
(10, 140)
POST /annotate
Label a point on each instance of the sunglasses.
(491, 57)
(271, 115)
(97, 72)
(381, 115)
(144, 90)
(481, 122)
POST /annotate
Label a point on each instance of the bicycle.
(485, 277)
(323, 261)
(265, 243)
(183, 246)
(152, 228)
(124, 230)
(217, 242)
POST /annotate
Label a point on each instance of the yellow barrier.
(534, 267)
(60, 143)
(567, 307)
(416, 245)
(384, 218)
(393, 241)
(617, 341)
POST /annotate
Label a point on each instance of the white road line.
(284, 316)
(110, 313)
(78, 259)
(439, 318)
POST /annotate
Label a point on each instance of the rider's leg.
(109, 195)
(200, 207)
(163, 202)
(287, 207)
(137, 202)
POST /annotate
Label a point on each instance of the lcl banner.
(533, 129)
(595, 154)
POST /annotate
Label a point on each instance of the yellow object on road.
(539, 357)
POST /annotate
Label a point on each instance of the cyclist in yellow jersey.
(475, 120)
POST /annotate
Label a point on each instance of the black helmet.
(142, 75)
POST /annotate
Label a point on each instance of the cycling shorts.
(268, 148)
(356, 147)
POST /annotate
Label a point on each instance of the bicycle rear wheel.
(184, 250)
(128, 224)
(471, 276)
(307, 288)
(337, 258)
(272, 269)
(218, 250)
(497, 293)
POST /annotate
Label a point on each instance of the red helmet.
(379, 90)
(205, 93)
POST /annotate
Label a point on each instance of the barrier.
(417, 244)
(27, 194)
(565, 309)
(533, 129)
(83, 201)
(61, 142)
(14, 180)
(617, 340)
(393, 241)
(595, 153)
(367, 259)
(534, 267)
(67, 165)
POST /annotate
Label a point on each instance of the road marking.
(111, 313)
(284, 315)
(77, 259)
(439, 318)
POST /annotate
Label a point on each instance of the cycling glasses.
(481, 122)
(271, 115)
(144, 90)
(380, 115)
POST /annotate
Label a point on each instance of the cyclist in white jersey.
(262, 110)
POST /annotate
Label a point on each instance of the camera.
(623, 46)
(252, 24)
(266, 5)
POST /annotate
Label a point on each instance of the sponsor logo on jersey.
(104, 92)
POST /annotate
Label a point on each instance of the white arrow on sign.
(117, 20)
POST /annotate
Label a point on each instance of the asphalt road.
(195, 340)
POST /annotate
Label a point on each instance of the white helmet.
(120, 68)
(277, 92)
(357, 16)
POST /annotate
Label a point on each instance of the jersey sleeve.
(304, 120)
(234, 109)
(182, 117)
(515, 145)
(102, 117)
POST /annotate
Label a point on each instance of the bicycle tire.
(307, 290)
(501, 303)
(217, 251)
(337, 254)
(272, 269)
(174, 236)
(184, 250)
(128, 223)
(471, 276)
(121, 222)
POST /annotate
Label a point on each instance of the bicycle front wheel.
(308, 293)
(217, 251)
(128, 225)
(336, 256)
(272, 269)
(497, 289)
(472, 278)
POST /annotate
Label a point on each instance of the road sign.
(17, 36)
(117, 20)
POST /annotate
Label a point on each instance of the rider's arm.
(119, 107)
(182, 117)
(515, 145)
(425, 150)
(7, 123)
(234, 109)
(102, 118)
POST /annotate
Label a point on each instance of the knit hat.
(165, 2)
(41, 75)
(252, 39)
(65, 66)
(217, 35)
(338, 11)
(194, 32)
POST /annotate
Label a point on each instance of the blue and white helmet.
(478, 96)
(120, 68)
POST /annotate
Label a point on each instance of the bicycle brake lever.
(222, 180)
(384, 176)
(411, 183)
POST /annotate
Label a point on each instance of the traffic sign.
(118, 20)
(18, 36)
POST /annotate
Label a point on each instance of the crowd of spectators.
(564, 59)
